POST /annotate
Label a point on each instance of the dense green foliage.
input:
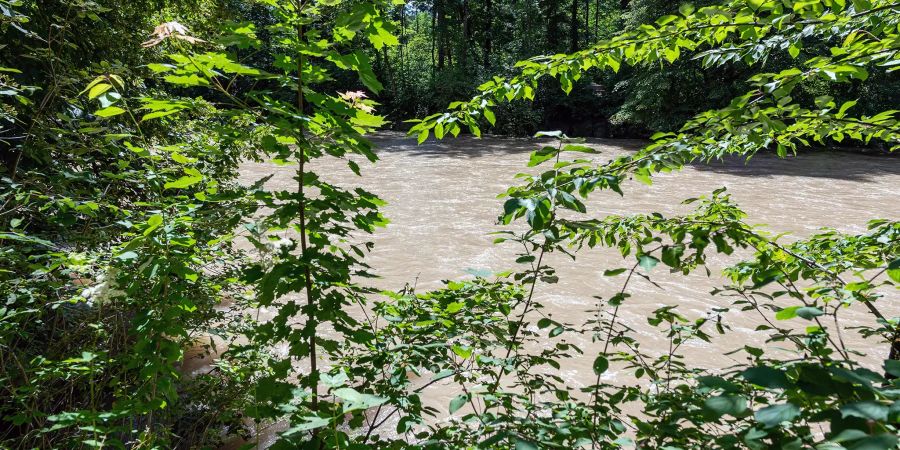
(126, 238)
(449, 47)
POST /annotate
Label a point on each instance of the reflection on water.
(442, 204)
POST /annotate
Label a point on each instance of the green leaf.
(772, 416)
(98, 89)
(525, 259)
(354, 400)
(766, 377)
(489, 115)
(877, 442)
(733, 405)
(869, 410)
(848, 435)
(158, 114)
(308, 423)
(271, 389)
(457, 403)
(523, 444)
(893, 270)
(671, 255)
(109, 111)
(463, 352)
(153, 223)
(787, 313)
(809, 312)
(806, 312)
(862, 5)
(336, 380)
(614, 63)
(186, 80)
(614, 272)
(90, 85)
(643, 175)
(843, 111)
(446, 373)
(601, 365)
(160, 68)
(181, 159)
(127, 256)
(380, 36)
(892, 366)
(183, 182)
(647, 262)
(155, 220)
(715, 382)
(672, 53)
(23, 238)
(359, 62)
(857, 286)
(578, 149)
(364, 119)
(540, 156)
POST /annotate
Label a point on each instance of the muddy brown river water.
(442, 204)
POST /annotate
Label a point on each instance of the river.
(442, 203)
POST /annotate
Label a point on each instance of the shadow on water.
(843, 165)
(460, 147)
(470, 147)
(840, 165)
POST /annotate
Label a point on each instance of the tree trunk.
(895, 353)
(434, 34)
(402, 36)
(311, 315)
(441, 33)
(388, 72)
(573, 31)
(467, 34)
(587, 22)
(550, 14)
(488, 33)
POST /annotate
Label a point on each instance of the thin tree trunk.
(304, 250)
(587, 22)
(467, 34)
(573, 32)
(441, 34)
(448, 52)
(434, 34)
(550, 14)
(402, 37)
(488, 34)
(895, 353)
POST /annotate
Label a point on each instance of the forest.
(688, 212)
